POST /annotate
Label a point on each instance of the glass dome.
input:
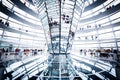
(60, 39)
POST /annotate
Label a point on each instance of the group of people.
(6, 23)
(3, 51)
(91, 37)
(52, 22)
(6, 52)
(90, 27)
(90, 52)
(99, 52)
(66, 18)
(32, 52)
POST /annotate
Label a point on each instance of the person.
(7, 50)
(35, 52)
(7, 23)
(73, 35)
(115, 51)
(17, 50)
(81, 51)
(0, 20)
(55, 22)
(27, 51)
(17, 54)
(86, 38)
(92, 37)
(63, 16)
(41, 50)
(0, 53)
(85, 51)
(24, 3)
(3, 50)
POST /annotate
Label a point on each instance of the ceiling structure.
(74, 23)
(60, 20)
